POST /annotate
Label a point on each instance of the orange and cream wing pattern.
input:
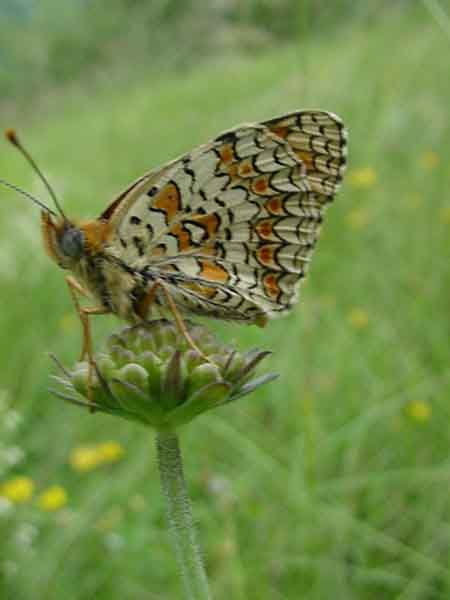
(230, 227)
(319, 139)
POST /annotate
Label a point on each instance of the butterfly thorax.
(84, 250)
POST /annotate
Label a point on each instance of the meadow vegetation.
(332, 482)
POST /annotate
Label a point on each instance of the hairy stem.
(180, 516)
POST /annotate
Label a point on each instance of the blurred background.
(332, 482)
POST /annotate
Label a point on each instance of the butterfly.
(225, 231)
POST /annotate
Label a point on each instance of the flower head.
(18, 490)
(418, 410)
(149, 373)
(358, 318)
(53, 498)
(88, 458)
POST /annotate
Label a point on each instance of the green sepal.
(206, 398)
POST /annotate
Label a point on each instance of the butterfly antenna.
(29, 196)
(12, 137)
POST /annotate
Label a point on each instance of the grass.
(333, 482)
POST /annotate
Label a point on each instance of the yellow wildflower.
(18, 490)
(358, 318)
(53, 498)
(418, 410)
(110, 452)
(363, 178)
(87, 458)
(429, 160)
(83, 458)
(358, 218)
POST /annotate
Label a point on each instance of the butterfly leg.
(145, 306)
(74, 289)
(180, 323)
(84, 313)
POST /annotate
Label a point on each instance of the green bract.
(150, 374)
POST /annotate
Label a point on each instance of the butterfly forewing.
(230, 227)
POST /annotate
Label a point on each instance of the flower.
(53, 498)
(87, 458)
(110, 452)
(358, 318)
(83, 458)
(18, 490)
(363, 178)
(150, 374)
(418, 410)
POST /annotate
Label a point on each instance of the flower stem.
(180, 516)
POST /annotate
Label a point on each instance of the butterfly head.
(64, 242)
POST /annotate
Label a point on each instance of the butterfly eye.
(72, 243)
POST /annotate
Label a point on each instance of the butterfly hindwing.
(230, 227)
(319, 139)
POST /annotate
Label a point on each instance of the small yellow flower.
(418, 410)
(53, 498)
(358, 318)
(83, 458)
(87, 458)
(110, 452)
(429, 160)
(18, 490)
(363, 178)
(445, 215)
(358, 218)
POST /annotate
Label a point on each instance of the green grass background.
(321, 485)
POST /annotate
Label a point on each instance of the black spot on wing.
(227, 138)
(139, 245)
(150, 231)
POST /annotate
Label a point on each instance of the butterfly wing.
(230, 227)
(319, 140)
